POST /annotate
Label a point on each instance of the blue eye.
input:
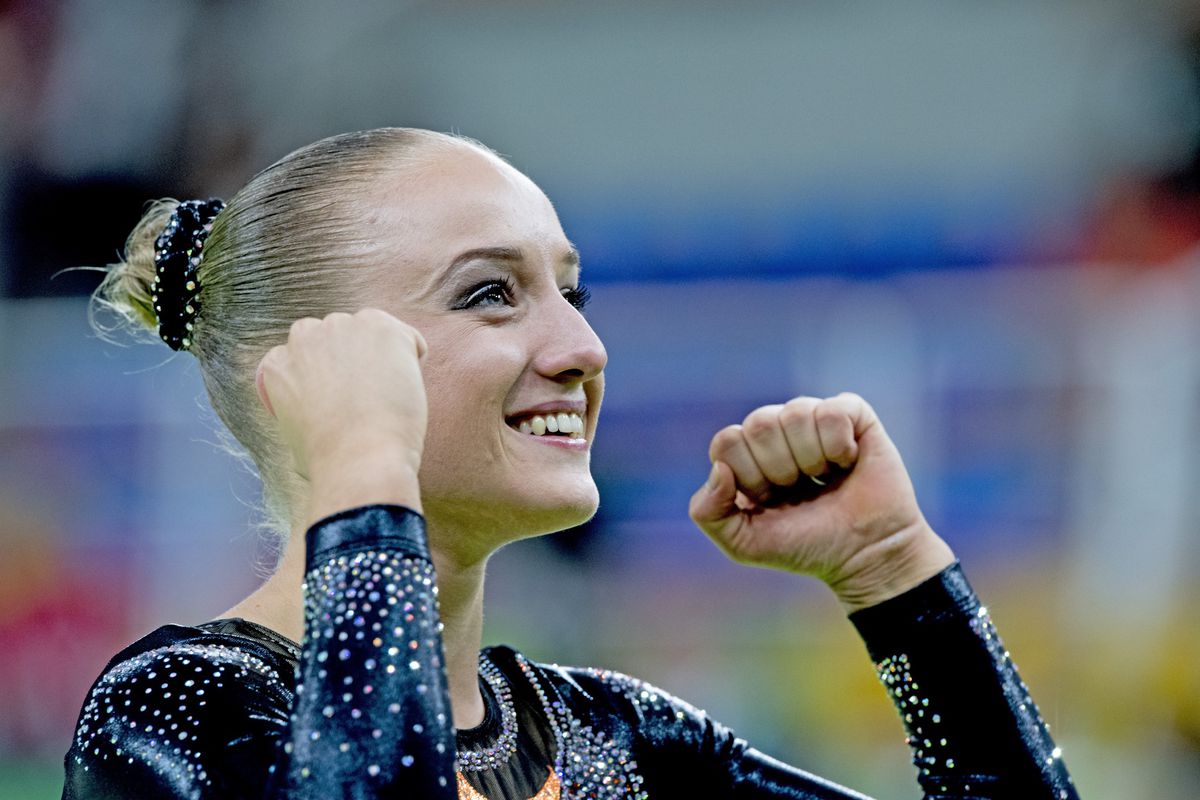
(578, 296)
(488, 293)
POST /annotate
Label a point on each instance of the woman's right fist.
(347, 390)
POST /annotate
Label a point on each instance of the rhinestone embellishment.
(588, 762)
(506, 744)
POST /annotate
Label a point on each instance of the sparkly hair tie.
(175, 292)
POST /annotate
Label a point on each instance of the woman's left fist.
(816, 486)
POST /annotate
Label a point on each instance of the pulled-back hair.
(288, 245)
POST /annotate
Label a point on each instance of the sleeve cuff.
(945, 597)
(385, 527)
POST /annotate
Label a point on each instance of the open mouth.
(562, 423)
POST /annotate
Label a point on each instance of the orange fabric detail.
(551, 789)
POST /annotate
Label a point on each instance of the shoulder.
(181, 675)
(607, 716)
(605, 691)
(645, 699)
(174, 707)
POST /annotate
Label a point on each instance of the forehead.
(454, 198)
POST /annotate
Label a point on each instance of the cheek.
(467, 388)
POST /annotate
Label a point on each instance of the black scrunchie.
(175, 292)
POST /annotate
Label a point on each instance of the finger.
(419, 340)
(729, 445)
(378, 315)
(769, 446)
(838, 420)
(372, 312)
(414, 335)
(304, 324)
(260, 382)
(800, 428)
(714, 503)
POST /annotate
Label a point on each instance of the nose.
(569, 351)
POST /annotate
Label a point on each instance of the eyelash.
(578, 296)
(502, 289)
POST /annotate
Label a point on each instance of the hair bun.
(175, 292)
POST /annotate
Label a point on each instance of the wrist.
(891, 566)
(368, 478)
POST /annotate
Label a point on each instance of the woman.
(389, 322)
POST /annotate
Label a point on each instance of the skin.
(410, 401)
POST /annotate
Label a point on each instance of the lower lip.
(566, 443)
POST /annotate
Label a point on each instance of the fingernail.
(714, 477)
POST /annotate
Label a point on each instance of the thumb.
(715, 502)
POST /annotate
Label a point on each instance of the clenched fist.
(817, 487)
(350, 403)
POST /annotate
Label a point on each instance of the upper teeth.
(563, 422)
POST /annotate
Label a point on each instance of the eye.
(489, 293)
(578, 296)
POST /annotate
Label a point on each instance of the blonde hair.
(286, 246)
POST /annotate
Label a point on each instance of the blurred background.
(984, 217)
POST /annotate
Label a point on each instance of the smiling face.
(472, 255)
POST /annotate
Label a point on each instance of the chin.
(553, 513)
(508, 516)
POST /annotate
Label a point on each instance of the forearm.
(972, 725)
(371, 715)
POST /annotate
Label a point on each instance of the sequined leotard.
(360, 709)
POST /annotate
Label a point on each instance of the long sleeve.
(371, 716)
(974, 730)
(190, 713)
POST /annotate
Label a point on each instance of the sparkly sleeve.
(371, 716)
(973, 728)
(187, 717)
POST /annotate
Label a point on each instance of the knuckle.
(300, 325)
(372, 314)
(850, 403)
(761, 422)
(828, 413)
(724, 439)
(796, 411)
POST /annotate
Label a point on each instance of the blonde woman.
(390, 323)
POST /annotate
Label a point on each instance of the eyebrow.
(505, 254)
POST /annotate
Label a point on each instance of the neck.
(460, 604)
(277, 604)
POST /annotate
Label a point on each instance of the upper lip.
(552, 407)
